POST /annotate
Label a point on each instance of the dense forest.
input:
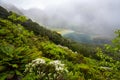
(29, 51)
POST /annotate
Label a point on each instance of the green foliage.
(15, 52)
(52, 51)
(14, 17)
(75, 76)
(108, 66)
(12, 59)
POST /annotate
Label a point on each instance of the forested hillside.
(29, 51)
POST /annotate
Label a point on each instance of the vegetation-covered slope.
(26, 55)
(52, 36)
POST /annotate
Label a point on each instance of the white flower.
(38, 60)
(33, 65)
(58, 65)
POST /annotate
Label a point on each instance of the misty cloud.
(89, 16)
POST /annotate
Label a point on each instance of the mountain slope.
(19, 46)
(30, 55)
(54, 36)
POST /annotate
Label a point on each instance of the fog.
(100, 17)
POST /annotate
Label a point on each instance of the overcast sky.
(102, 16)
(42, 4)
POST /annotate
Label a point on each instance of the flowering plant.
(46, 70)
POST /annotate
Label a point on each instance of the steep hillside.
(31, 52)
(52, 35)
